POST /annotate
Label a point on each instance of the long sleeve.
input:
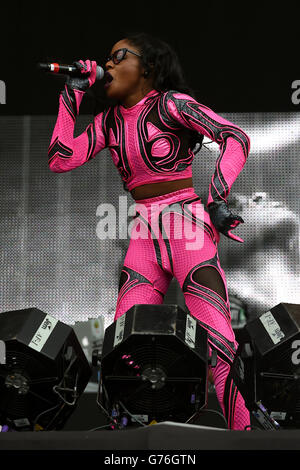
(233, 142)
(66, 152)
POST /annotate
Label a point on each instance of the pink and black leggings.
(172, 235)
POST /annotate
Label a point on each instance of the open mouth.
(108, 79)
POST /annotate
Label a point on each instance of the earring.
(146, 73)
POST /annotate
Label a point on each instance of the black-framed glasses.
(119, 55)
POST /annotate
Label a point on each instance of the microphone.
(68, 69)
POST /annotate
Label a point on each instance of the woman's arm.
(233, 142)
(66, 152)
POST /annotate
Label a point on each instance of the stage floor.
(162, 436)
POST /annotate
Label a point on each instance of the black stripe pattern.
(91, 133)
(69, 101)
(154, 239)
(223, 345)
(58, 148)
(193, 114)
(134, 279)
(179, 156)
(229, 399)
(219, 341)
(181, 207)
(114, 123)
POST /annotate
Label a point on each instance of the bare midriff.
(158, 189)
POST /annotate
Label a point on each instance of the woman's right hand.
(88, 70)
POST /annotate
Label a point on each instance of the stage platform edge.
(161, 436)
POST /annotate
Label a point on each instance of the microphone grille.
(99, 73)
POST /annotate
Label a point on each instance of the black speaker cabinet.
(268, 366)
(154, 364)
(45, 370)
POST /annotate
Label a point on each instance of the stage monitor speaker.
(45, 371)
(239, 311)
(267, 367)
(154, 365)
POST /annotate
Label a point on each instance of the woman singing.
(151, 132)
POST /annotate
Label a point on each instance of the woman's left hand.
(224, 220)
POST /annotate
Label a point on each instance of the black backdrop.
(238, 57)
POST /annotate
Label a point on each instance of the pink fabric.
(66, 152)
(234, 143)
(149, 141)
(151, 262)
(232, 403)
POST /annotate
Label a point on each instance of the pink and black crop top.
(149, 142)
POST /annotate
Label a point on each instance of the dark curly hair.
(161, 62)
